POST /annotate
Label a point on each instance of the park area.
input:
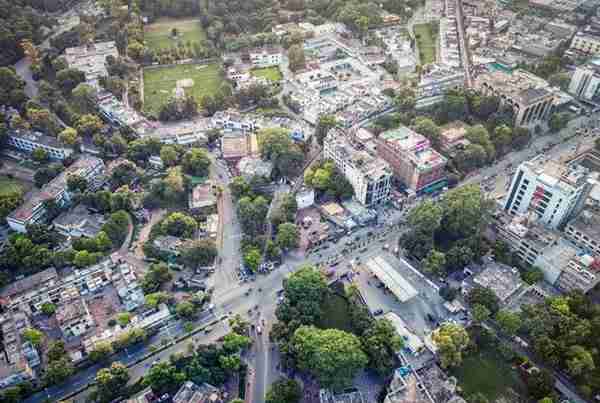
(488, 372)
(272, 74)
(10, 186)
(159, 35)
(197, 80)
(426, 38)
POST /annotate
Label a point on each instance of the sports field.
(270, 73)
(197, 80)
(426, 37)
(158, 35)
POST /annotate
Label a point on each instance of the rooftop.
(203, 196)
(37, 137)
(28, 283)
(367, 163)
(556, 174)
(391, 278)
(588, 222)
(522, 86)
(503, 280)
(192, 393)
(80, 221)
(91, 59)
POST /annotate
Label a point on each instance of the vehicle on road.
(258, 329)
(378, 312)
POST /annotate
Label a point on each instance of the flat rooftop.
(405, 139)
(557, 174)
(503, 280)
(391, 278)
(588, 223)
(520, 85)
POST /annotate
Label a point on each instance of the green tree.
(331, 355)
(179, 225)
(284, 390)
(153, 300)
(381, 343)
(451, 340)
(68, 79)
(428, 128)
(89, 124)
(169, 155)
(435, 263)
(34, 336)
(276, 146)
(111, 382)
(325, 123)
(77, 183)
(579, 361)
(480, 313)
(48, 308)
(84, 95)
(239, 187)
(124, 318)
(252, 259)
(296, 57)
(39, 155)
(69, 136)
(466, 212)
(196, 162)
(116, 227)
(540, 384)
(484, 296)
(155, 277)
(235, 343)
(58, 371)
(478, 134)
(186, 309)
(287, 236)
(532, 275)
(239, 325)
(200, 253)
(509, 322)
(502, 137)
(163, 377)
(102, 350)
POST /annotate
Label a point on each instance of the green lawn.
(158, 34)
(160, 82)
(426, 37)
(270, 73)
(9, 186)
(487, 372)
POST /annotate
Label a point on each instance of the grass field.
(158, 34)
(270, 73)
(488, 373)
(9, 186)
(426, 37)
(160, 82)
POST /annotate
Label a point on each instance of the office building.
(552, 191)
(370, 177)
(529, 96)
(585, 83)
(418, 166)
(28, 141)
(33, 209)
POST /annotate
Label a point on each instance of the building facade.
(265, 57)
(370, 177)
(413, 161)
(554, 192)
(585, 83)
(28, 141)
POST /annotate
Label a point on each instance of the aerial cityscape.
(300, 201)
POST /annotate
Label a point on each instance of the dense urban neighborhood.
(300, 201)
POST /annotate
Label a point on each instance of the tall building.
(414, 162)
(435, 82)
(554, 192)
(370, 177)
(528, 95)
(585, 83)
(33, 209)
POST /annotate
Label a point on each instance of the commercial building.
(91, 59)
(585, 82)
(553, 191)
(391, 278)
(28, 141)
(584, 229)
(529, 96)
(586, 42)
(370, 176)
(413, 160)
(33, 209)
(265, 57)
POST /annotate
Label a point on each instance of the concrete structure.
(33, 209)
(584, 230)
(529, 96)
(503, 280)
(348, 396)
(265, 57)
(412, 342)
(235, 146)
(305, 197)
(189, 392)
(73, 317)
(202, 196)
(91, 60)
(407, 387)
(28, 141)
(391, 278)
(585, 82)
(553, 191)
(435, 81)
(370, 177)
(413, 160)
(586, 42)
(253, 166)
(79, 222)
(15, 367)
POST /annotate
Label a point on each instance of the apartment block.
(265, 57)
(370, 176)
(28, 141)
(584, 229)
(412, 159)
(33, 210)
(435, 81)
(585, 82)
(528, 95)
(551, 191)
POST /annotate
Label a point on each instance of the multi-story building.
(554, 192)
(370, 176)
(586, 42)
(435, 82)
(28, 141)
(585, 83)
(528, 95)
(265, 57)
(33, 209)
(584, 229)
(91, 59)
(414, 162)
(16, 356)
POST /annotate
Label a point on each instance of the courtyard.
(197, 80)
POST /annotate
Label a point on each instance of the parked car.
(378, 312)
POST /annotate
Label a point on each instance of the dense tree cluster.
(328, 181)
(277, 146)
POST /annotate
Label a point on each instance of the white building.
(585, 83)
(370, 177)
(33, 210)
(28, 141)
(586, 43)
(265, 57)
(305, 198)
(554, 192)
